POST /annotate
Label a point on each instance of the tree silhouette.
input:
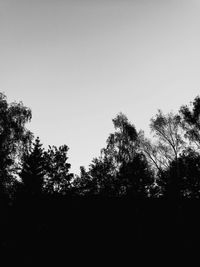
(14, 138)
(136, 178)
(121, 168)
(191, 122)
(169, 143)
(189, 182)
(32, 174)
(103, 178)
(92, 182)
(57, 178)
(170, 136)
(123, 143)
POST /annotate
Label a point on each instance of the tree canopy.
(130, 165)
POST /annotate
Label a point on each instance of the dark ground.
(91, 231)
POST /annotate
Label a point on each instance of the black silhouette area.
(137, 201)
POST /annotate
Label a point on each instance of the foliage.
(191, 121)
(136, 178)
(121, 168)
(14, 138)
(130, 164)
(122, 144)
(167, 129)
(189, 172)
(32, 174)
(57, 178)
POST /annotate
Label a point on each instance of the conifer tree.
(32, 173)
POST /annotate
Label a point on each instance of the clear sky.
(77, 63)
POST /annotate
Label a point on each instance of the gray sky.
(77, 63)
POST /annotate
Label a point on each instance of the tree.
(123, 143)
(167, 129)
(14, 138)
(136, 178)
(119, 165)
(84, 184)
(97, 181)
(104, 177)
(57, 178)
(191, 121)
(189, 161)
(32, 174)
(189, 181)
(169, 143)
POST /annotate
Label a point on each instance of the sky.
(78, 63)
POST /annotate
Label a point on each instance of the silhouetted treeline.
(138, 196)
